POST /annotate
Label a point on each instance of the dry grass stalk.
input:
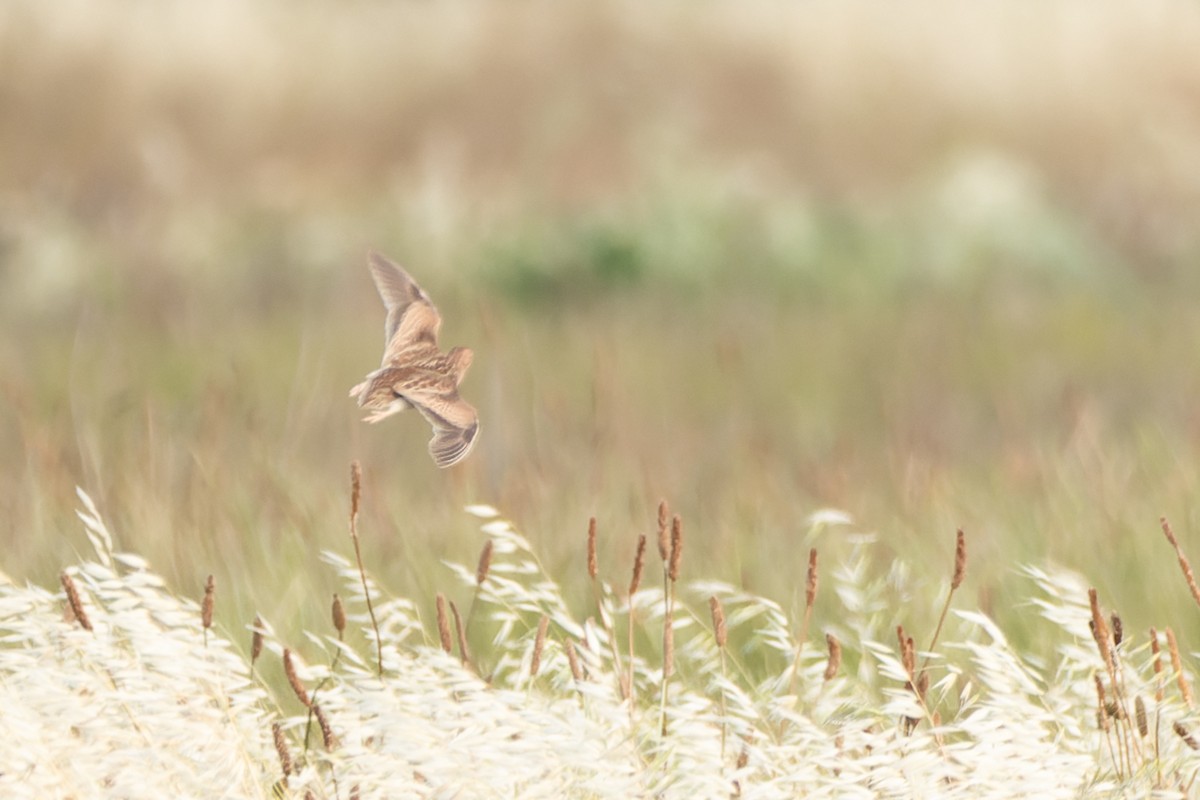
(811, 582)
(721, 635)
(327, 736)
(835, 656)
(539, 642)
(256, 640)
(956, 579)
(73, 601)
(206, 607)
(443, 623)
(635, 582)
(593, 566)
(668, 667)
(289, 669)
(355, 497)
(460, 633)
(1185, 689)
(339, 616)
(1183, 561)
(281, 747)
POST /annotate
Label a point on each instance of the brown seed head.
(1101, 701)
(592, 565)
(922, 685)
(73, 601)
(355, 489)
(281, 747)
(443, 623)
(327, 736)
(718, 621)
(1185, 689)
(256, 640)
(676, 548)
(810, 585)
(1140, 712)
(1158, 667)
(339, 615)
(485, 563)
(1183, 561)
(460, 633)
(639, 561)
(663, 531)
(1182, 732)
(835, 656)
(573, 660)
(289, 669)
(1100, 629)
(539, 642)
(1118, 631)
(960, 560)
(206, 607)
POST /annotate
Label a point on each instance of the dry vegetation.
(934, 264)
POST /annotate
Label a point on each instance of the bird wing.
(411, 316)
(455, 424)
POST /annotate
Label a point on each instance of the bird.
(415, 373)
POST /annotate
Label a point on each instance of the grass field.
(933, 267)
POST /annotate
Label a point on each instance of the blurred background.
(935, 265)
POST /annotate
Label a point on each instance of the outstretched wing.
(411, 316)
(455, 424)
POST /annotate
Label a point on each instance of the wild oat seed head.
(485, 563)
(676, 547)
(639, 562)
(592, 564)
(289, 669)
(539, 642)
(810, 584)
(835, 656)
(339, 615)
(718, 621)
(960, 560)
(76, 605)
(206, 607)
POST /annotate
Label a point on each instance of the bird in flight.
(415, 373)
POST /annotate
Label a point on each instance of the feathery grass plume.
(460, 633)
(1182, 732)
(206, 607)
(443, 623)
(281, 749)
(593, 567)
(256, 640)
(1185, 689)
(289, 669)
(956, 579)
(1140, 714)
(811, 581)
(835, 656)
(539, 641)
(327, 735)
(355, 497)
(676, 548)
(73, 601)
(1183, 560)
(339, 616)
(573, 659)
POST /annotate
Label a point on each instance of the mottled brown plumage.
(415, 373)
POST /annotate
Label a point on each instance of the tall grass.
(148, 702)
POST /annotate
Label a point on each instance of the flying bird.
(415, 373)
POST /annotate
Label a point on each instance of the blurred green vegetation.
(690, 264)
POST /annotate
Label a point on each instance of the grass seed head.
(289, 669)
(1184, 565)
(718, 621)
(339, 615)
(810, 584)
(960, 561)
(443, 623)
(573, 660)
(256, 640)
(593, 567)
(676, 548)
(1183, 733)
(1100, 629)
(355, 489)
(1140, 711)
(327, 735)
(1118, 630)
(663, 531)
(539, 642)
(281, 747)
(1185, 689)
(835, 656)
(460, 632)
(639, 562)
(73, 601)
(206, 608)
(485, 563)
